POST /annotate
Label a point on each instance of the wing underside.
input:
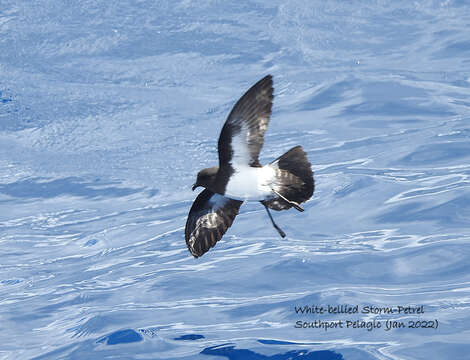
(242, 136)
(208, 220)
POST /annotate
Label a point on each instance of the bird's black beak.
(195, 186)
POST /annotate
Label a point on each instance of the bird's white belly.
(251, 183)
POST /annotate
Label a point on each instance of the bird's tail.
(294, 177)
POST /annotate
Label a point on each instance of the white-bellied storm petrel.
(286, 182)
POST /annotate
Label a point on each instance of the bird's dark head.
(206, 177)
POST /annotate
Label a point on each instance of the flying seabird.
(284, 183)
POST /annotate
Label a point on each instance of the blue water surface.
(109, 109)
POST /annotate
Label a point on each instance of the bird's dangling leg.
(293, 203)
(282, 233)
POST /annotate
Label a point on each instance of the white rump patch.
(251, 183)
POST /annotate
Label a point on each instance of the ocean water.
(109, 109)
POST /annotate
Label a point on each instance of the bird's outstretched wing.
(208, 220)
(242, 136)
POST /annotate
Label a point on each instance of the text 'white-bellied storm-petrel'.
(286, 182)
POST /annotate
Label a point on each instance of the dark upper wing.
(242, 136)
(208, 220)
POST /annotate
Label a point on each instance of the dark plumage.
(210, 217)
(282, 184)
(296, 176)
(252, 111)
